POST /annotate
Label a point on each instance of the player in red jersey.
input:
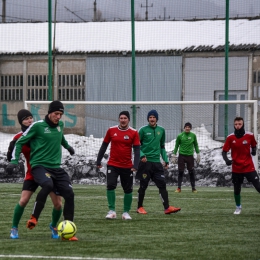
(122, 138)
(25, 119)
(243, 146)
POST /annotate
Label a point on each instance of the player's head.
(25, 118)
(124, 119)
(187, 127)
(55, 112)
(238, 123)
(152, 117)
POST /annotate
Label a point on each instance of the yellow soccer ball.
(67, 229)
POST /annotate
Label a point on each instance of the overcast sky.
(83, 10)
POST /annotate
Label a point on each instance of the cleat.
(32, 222)
(171, 209)
(141, 210)
(238, 210)
(111, 214)
(54, 232)
(178, 190)
(194, 191)
(14, 233)
(126, 216)
(70, 239)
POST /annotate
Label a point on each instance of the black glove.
(228, 162)
(12, 168)
(71, 150)
(224, 155)
(253, 152)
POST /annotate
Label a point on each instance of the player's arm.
(66, 145)
(10, 150)
(101, 153)
(140, 133)
(177, 144)
(163, 151)
(136, 156)
(225, 150)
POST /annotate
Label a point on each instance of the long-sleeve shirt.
(153, 143)
(45, 144)
(186, 143)
(241, 152)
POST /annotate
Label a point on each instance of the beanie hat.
(56, 106)
(22, 114)
(126, 113)
(153, 113)
(188, 124)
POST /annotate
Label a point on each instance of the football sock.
(56, 214)
(237, 200)
(18, 212)
(164, 197)
(141, 194)
(180, 178)
(128, 197)
(111, 198)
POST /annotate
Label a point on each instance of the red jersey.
(241, 152)
(122, 142)
(26, 150)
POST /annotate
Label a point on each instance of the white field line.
(64, 257)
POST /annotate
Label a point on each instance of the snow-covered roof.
(113, 37)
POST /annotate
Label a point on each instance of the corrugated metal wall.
(158, 78)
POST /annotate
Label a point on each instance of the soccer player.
(186, 142)
(123, 138)
(243, 146)
(152, 137)
(25, 119)
(46, 137)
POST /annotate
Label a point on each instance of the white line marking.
(65, 257)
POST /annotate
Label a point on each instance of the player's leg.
(56, 214)
(237, 180)
(126, 178)
(46, 183)
(159, 179)
(29, 187)
(143, 174)
(254, 178)
(190, 168)
(112, 176)
(181, 167)
(63, 187)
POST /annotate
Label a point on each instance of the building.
(175, 60)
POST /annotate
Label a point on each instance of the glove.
(253, 152)
(71, 150)
(12, 168)
(228, 162)
(198, 158)
(174, 159)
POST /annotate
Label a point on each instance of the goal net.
(86, 122)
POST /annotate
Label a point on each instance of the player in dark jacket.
(243, 146)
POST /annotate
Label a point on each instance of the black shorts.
(238, 178)
(30, 185)
(153, 171)
(188, 159)
(126, 178)
(61, 180)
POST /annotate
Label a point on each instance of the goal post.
(93, 118)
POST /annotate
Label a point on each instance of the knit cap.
(153, 113)
(22, 114)
(56, 106)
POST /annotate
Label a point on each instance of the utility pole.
(3, 10)
(95, 11)
(146, 12)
